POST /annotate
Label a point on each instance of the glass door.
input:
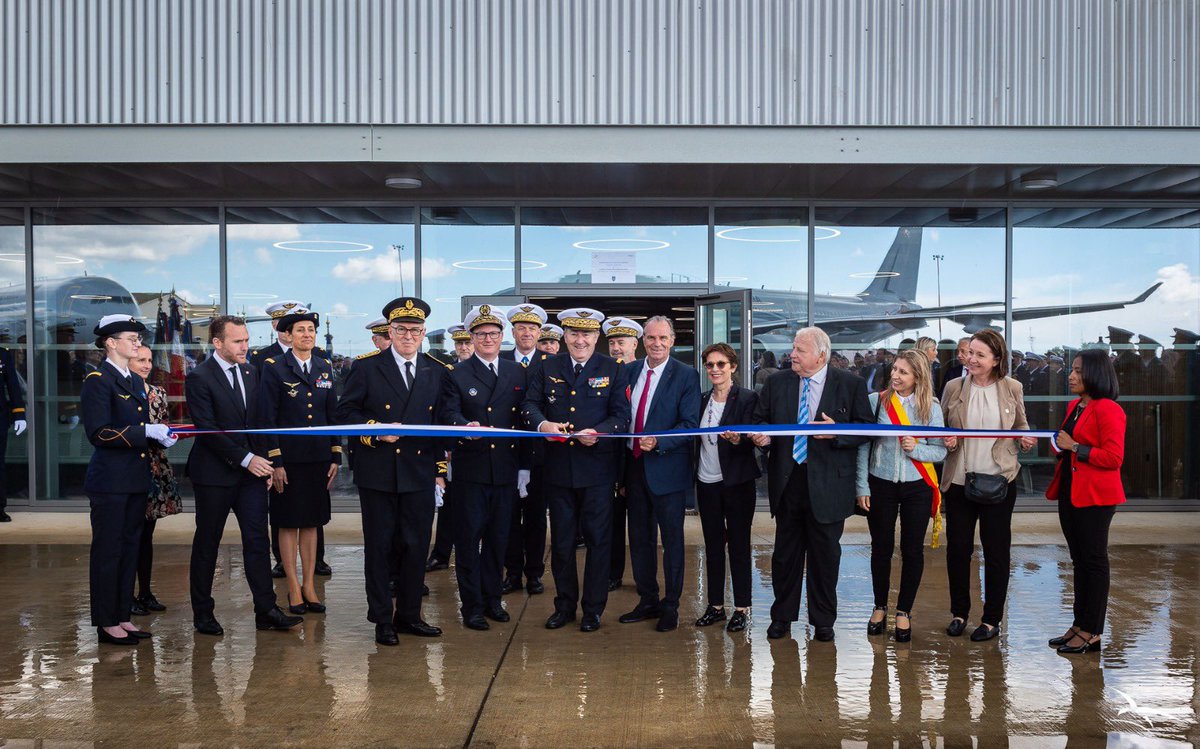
(725, 318)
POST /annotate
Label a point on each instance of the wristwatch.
(1075, 448)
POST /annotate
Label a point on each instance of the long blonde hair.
(923, 390)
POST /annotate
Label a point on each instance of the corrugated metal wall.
(602, 62)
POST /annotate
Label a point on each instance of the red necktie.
(639, 421)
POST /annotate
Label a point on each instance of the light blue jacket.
(888, 461)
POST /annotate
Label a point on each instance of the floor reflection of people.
(1084, 723)
(806, 706)
(886, 728)
(959, 728)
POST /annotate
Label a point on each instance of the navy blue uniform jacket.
(596, 400)
(287, 398)
(114, 418)
(472, 394)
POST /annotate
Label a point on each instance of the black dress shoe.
(107, 639)
(385, 634)
(641, 613)
(956, 627)
(614, 584)
(712, 615)
(476, 621)
(434, 564)
(139, 634)
(510, 585)
(418, 628)
(151, 603)
(559, 619)
(983, 632)
(323, 569)
(276, 619)
(314, 607)
(1056, 642)
(779, 630)
(535, 587)
(497, 614)
(137, 609)
(1087, 647)
(737, 622)
(877, 628)
(668, 621)
(209, 626)
(5, 517)
(277, 571)
(590, 623)
(580, 542)
(424, 590)
(823, 634)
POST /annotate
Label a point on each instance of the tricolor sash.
(897, 415)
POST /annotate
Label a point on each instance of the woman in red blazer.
(1087, 487)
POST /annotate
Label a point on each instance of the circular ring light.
(631, 245)
(324, 246)
(830, 233)
(498, 264)
(729, 233)
(875, 274)
(7, 257)
(92, 297)
(58, 259)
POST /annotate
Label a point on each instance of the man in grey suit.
(810, 480)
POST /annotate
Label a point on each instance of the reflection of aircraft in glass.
(65, 305)
(886, 307)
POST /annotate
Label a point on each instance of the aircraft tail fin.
(896, 279)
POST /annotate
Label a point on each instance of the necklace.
(710, 420)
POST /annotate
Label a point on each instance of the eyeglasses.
(492, 335)
(134, 338)
(716, 364)
(408, 332)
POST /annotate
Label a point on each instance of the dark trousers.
(482, 518)
(116, 531)
(587, 510)
(649, 515)
(527, 532)
(1086, 530)
(279, 555)
(800, 542)
(620, 515)
(443, 537)
(248, 501)
(396, 531)
(5, 425)
(145, 560)
(995, 535)
(911, 502)
(726, 514)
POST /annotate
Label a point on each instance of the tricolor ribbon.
(898, 416)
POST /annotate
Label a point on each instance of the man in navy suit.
(578, 395)
(664, 395)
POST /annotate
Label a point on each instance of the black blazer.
(287, 398)
(596, 400)
(374, 392)
(12, 397)
(114, 418)
(831, 462)
(471, 394)
(216, 459)
(738, 464)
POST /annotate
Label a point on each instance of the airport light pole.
(399, 248)
(937, 260)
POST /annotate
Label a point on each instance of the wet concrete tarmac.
(328, 684)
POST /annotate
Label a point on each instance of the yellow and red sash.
(896, 414)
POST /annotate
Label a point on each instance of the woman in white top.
(985, 399)
(725, 490)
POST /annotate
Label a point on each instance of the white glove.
(169, 441)
(161, 433)
(522, 484)
(439, 494)
(19, 427)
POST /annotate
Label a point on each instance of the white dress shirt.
(493, 365)
(636, 394)
(524, 357)
(123, 370)
(816, 387)
(231, 371)
(400, 360)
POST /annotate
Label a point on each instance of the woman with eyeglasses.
(725, 491)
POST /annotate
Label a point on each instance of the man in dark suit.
(623, 335)
(443, 537)
(665, 394)
(956, 368)
(486, 390)
(12, 411)
(810, 480)
(397, 478)
(229, 472)
(578, 395)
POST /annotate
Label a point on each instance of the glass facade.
(881, 275)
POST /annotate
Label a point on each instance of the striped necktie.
(800, 443)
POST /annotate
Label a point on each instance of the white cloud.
(388, 268)
(136, 243)
(1180, 286)
(339, 308)
(264, 256)
(270, 233)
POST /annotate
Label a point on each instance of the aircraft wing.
(1034, 313)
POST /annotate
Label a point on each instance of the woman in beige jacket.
(985, 398)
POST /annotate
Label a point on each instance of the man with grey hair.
(810, 480)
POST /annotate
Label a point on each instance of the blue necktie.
(525, 360)
(800, 443)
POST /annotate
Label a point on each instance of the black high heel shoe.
(1055, 642)
(877, 628)
(1088, 646)
(905, 634)
(298, 608)
(107, 639)
(315, 607)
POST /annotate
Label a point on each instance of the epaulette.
(92, 374)
(269, 360)
(367, 355)
(620, 361)
(255, 352)
(545, 357)
(439, 361)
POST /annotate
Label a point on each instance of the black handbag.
(986, 488)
